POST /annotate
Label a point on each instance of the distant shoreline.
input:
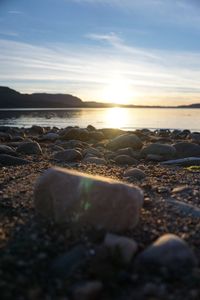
(76, 108)
(11, 99)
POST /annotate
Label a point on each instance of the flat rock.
(50, 136)
(121, 245)
(62, 194)
(135, 173)
(125, 160)
(111, 133)
(68, 155)
(124, 141)
(186, 149)
(154, 157)
(9, 160)
(75, 134)
(163, 150)
(17, 138)
(29, 148)
(96, 135)
(7, 150)
(169, 252)
(95, 160)
(128, 151)
(184, 208)
(92, 151)
(185, 162)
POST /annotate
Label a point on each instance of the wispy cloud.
(112, 38)
(9, 33)
(152, 75)
(15, 12)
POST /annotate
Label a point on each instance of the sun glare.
(118, 91)
(116, 117)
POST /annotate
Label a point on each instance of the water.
(124, 118)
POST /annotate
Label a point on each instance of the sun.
(118, 91)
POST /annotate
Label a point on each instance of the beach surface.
(41, 259)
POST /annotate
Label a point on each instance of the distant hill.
(10, 98)
(195, 105)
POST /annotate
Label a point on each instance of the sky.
(144, 52)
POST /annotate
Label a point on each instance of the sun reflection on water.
(116, 117)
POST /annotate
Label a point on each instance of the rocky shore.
(98, 251)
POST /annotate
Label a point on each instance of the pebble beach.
(156, 258)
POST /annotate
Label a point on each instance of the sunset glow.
(118, 91)
(116, 117)
(138, 52)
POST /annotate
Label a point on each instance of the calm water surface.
(124, 118)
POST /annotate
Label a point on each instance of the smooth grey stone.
(154, 157)
(195, 137)
(100, 202)
(75, 134)
(126, 246)
(50, 136)
(36, 129)
(7, 150)
(29, 148)
(71, 144)
(8, 160)
(91, 128)
(96, 135)
(164, 150)
(68, 155)
(186, 149)
(135, 173)
(95, 160)
(128, 151)
(124, 141)
(162, 132)
(169, 252)
(111, 133)
(184, 208)
(125, 160)
(185, 162)
(92, 151)
(17, 138)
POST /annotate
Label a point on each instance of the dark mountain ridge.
(10, 98)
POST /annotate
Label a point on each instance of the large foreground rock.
(124, 141)
(62, 194)
(169, 252)
(163, 150)
(185, 149)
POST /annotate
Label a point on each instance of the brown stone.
(62, 194)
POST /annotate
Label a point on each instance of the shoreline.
(30, 246)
